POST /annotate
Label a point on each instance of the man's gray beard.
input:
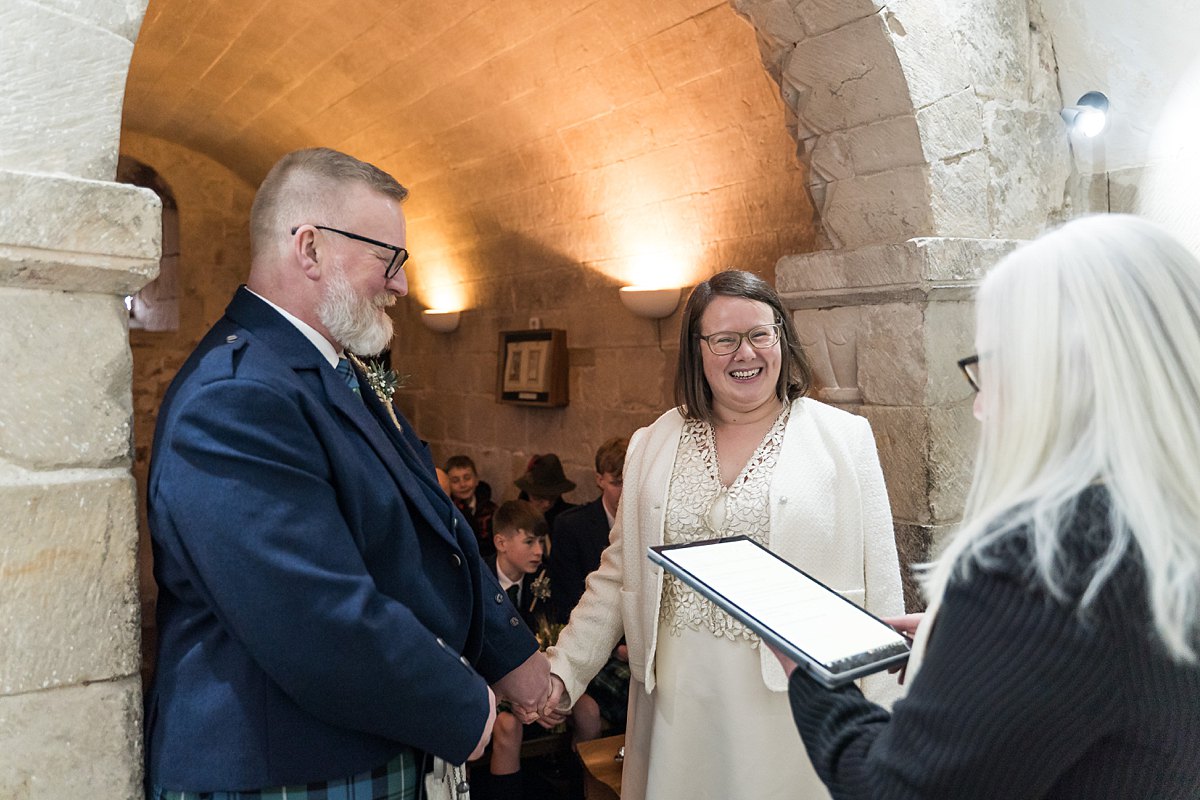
(356, 323)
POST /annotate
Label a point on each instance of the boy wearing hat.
(544, 484)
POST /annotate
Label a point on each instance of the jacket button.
(441, 642)
(464, 661)
(514, 622)
(455, 560)
(231, 338)
(499, 597)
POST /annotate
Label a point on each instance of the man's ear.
(304, 250)
(599, 477)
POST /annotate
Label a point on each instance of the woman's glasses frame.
(970, 370)
(775, 328)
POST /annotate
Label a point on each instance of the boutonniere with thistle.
(382, 380)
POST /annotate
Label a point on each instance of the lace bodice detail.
(700, 508)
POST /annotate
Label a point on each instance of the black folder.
(828, 636)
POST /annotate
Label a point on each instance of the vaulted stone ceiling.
(640, 138)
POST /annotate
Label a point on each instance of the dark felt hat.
(544, 477)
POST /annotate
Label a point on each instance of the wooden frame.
(532, 368)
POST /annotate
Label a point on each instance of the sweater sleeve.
(1012, 691)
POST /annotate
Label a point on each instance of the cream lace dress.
(712, 729)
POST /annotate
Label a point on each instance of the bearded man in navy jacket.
(324, 617)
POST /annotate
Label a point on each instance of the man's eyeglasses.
(722, 343)
(399, 254)
(970, 368)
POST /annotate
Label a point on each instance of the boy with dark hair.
(473, 498)
(519, 535)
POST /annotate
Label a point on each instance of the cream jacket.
(829, 516)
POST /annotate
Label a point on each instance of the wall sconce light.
(650, 303)
(440, 321)
(1089, 115)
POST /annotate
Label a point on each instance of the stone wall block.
(912, 269)
(799, 276)
(892, 366)
(877, 147)
(77, 235)
(958, 195)
(953, 437)
(874, 209)
(951, 126)
(65, 400)
(946, 260)
(993, 39)
(64, 83)
(917, 544)
(822, 16)
(902, 437)
(1124, 187)
(830, 338)
(1043, 64)
(83, 741)
(933, 66)
(68, 580)
(122, 17)
(1029, 165)
(949, 334)
(775, 19)
(848, 77)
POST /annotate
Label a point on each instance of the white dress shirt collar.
(320, 342)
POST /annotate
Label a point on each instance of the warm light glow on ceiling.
(654, 248)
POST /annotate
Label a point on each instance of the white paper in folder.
(830, 637)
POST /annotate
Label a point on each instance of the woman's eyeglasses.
(970, 368)
(722, 343)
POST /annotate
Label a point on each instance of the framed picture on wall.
(532, 369)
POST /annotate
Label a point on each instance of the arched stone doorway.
(932, 134)
(915, 136)
(72, 246)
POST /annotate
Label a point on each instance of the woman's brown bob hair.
(692, 393)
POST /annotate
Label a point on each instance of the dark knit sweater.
(1021, 696)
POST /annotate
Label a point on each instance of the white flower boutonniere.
(383, 381)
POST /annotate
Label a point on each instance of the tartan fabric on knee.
(395, 780)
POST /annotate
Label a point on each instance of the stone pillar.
(885, 327)
(931, 132)
(72, 245)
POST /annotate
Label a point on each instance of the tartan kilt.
(610, 690)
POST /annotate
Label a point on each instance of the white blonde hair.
(1089, 342)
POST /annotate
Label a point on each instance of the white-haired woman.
(1060, 654)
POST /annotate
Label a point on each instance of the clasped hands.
(534, 693)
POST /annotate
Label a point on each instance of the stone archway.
(72, 245)
(930, 151)
(932, 135)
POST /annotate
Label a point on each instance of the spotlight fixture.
(1089, 115)
(650, 303)
(440, 321)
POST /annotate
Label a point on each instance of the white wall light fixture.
(439, 320)
(650, 303)
(1088, 116)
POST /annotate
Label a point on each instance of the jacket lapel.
(385, 439)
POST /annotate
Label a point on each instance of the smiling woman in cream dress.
(744, 453)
